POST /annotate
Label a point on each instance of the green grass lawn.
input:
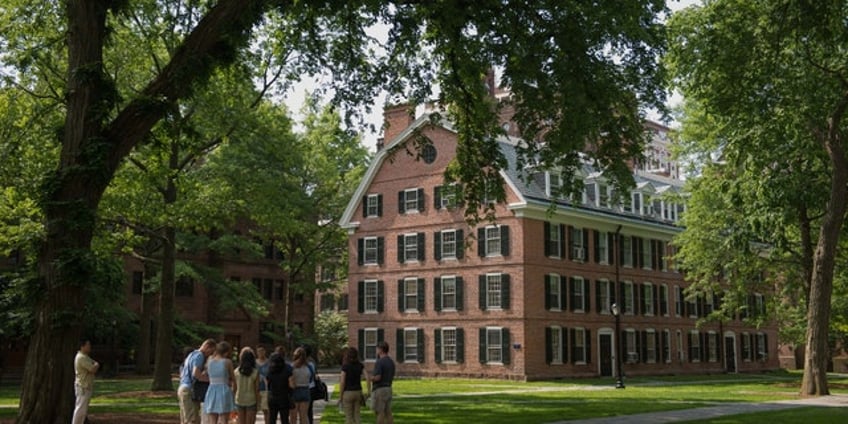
(788, 416)
(463, 401)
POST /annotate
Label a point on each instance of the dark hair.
(278, 364)
(351, 356)
(83, 341)
(247, 361)
(383, 346)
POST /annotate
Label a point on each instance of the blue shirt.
(194, 359)
(263, 373)
(385, 368)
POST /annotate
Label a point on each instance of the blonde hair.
(299, 356)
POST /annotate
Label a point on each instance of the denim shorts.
(301, 394)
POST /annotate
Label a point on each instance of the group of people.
(258, 383)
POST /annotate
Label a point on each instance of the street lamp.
(619, 383)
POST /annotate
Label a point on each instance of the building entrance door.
(730, 353)
(605, 351)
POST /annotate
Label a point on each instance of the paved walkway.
(715, 411)
(331, 378)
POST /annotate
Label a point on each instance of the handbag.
(198, 390)
(319, 390)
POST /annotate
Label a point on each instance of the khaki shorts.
(263, 401)
(382, 399)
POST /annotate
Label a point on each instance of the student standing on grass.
(384, 374)
(262, 364)
(247, 387)
(192, 370)
(219, 398)
(84, 370)
(350, 386)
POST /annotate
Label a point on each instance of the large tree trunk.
(165, 327)
(92, 150)
(817, 352)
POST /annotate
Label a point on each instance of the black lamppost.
(619, 383)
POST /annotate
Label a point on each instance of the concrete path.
(838, 401)
(331, 378)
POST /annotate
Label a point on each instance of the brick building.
(527, 296)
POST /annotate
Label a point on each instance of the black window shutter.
(703, 346)
(562, 246)
(548, 239)
(437, 344)
(401, 248)
(572, 289)
(598, 305)
(505, 291)
(381, 247)
(597, 246)
(656, 289)
(610, 247)
(399, 344)
(765, 348)
(586, 245)
(421, 204)
(504, 240)
(380, 295)
(568, 241)
(421, 246)
(360, 297)
(361, 340)
(624, 347)
(637, 252)
(654, 256)
(549, 351)
(459, 293)
(620, 248)
(663, 341)
(420, 339)
(460, 244)
(437, 245)
(364, 206)
(506, 345)
(482, 291)
(640, 288)
(460, 345)
(644, 351)
(689, 345)
(421, 300)
(587, 303)
(482, 343)
(437, 197)
(572, 337)
(481, 242)
(437, 294)
(401, 201)
(360, 251)
(548, 292)
(564, 347)
(613, 293)
(401, 296)
(563, 293)
(588, 334)
(379, 205)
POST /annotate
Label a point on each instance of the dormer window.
(553, 183)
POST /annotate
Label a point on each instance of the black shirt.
(278, 387)
(353, 372)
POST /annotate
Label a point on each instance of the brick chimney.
(396, 119)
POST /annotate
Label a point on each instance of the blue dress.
(263, 373)
(219, 397)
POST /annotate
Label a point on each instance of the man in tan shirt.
(84, 368)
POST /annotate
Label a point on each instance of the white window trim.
(442, 282)
(414, 308)
(455, 347)
(406, 237)
(555, 281)
(489, 292)
(604, 254)
(365, 249)
(578, 250)
(578, 307)
(582, 331)
(376, 198)
(648, 288)
(442, 247)
(365, 332)
(667, 333)
(647, 254)
(365, 285)
(557, 360)
(632, 351)
(407, 210)
(413, 330)
(497, 251)
(651, 335)
(555, 229)
(629, 304)
(488, 346)
(605, 284)
(696, 341)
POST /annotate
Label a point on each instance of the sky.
(296, 96)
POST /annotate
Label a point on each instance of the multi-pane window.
(747, 353)
(636, 203)
(578, 247)
(446, 196)
(678, 301)
(578, 294)
(494, 345)
(650, 346)
(680, 354)
(343, 302)
(410, 345)
(605, 297)
(666, 345)
(410, 294)
(626, 250)
(694, 346)
(371, 296)
(410, 247)
(493, 291)
(602, 246)
(627, 294)
(493, 241)
(664, 300)
(632, 354)
(554, 183)
(328, 302)
(647, 253)
(410, 200)
(373, 205)
(448, 345)
(580, 354)
(555, 345)
(712, 346)
(648, 298)
(369, 341)
(604, 195)
(448, 244)
(449, 293)
(370, 251)
(762, 347)
(554, 292)
(553, 240)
